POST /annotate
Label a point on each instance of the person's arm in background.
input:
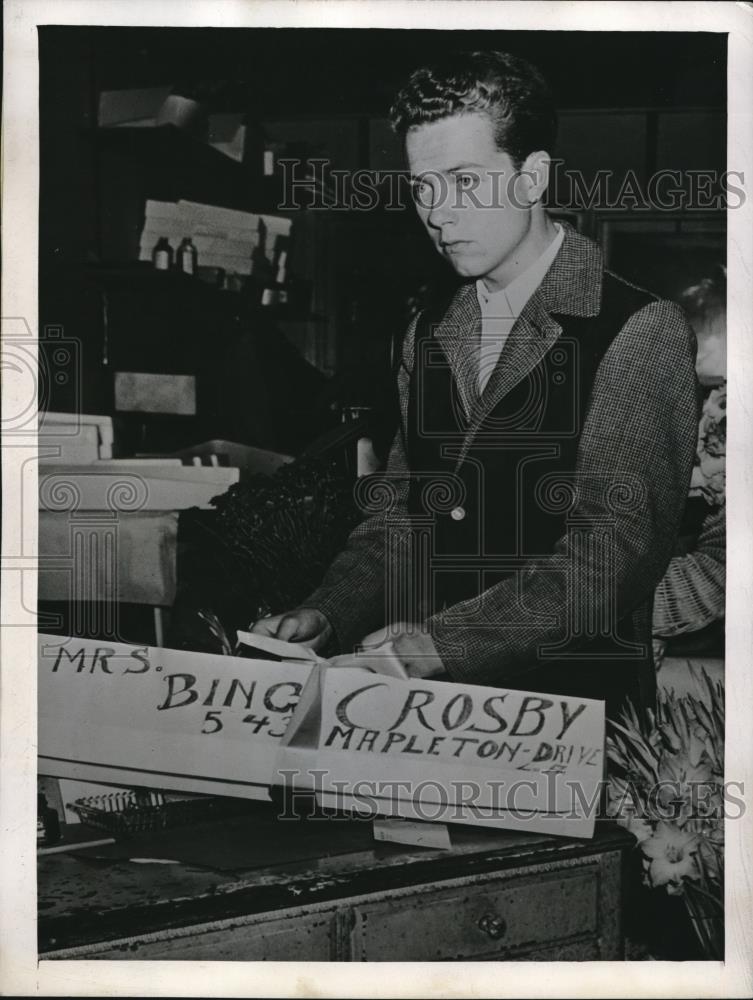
(641, 430)
(691, 593)
(350, 601)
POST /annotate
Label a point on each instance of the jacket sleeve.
(352, 594)
(691, 593)
(633, 470)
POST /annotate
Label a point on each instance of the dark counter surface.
(258, 863)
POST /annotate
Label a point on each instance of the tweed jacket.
(640, 426)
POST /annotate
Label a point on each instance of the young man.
(535, 488)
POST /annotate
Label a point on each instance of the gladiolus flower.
(671, 853)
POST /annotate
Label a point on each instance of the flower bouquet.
(708, 479)
(668, 793)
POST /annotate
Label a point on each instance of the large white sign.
(362, 741)
(162, 718)
(448, 752)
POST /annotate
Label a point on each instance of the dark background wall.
(629, 102)
(350, 70)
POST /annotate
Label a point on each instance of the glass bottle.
(162, 255)
(187, 256)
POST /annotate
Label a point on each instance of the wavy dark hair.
(507, 88)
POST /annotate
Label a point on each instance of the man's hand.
(418, 654)
(413, 648)
(306, 626)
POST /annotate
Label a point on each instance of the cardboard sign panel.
(162, 718)
(448, 752)
(363, 741)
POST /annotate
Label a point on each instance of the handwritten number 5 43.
(212, 723)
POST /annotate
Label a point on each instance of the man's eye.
(422, 193)
(466, 182)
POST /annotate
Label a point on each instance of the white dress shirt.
(499, 310)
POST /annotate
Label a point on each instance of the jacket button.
(457, 513)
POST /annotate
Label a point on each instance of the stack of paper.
(223, 237)
(74, 438)
(132, 485)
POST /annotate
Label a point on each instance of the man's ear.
(534, 175)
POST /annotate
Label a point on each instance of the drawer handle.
(493, 926)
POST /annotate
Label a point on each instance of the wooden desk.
(319, 890)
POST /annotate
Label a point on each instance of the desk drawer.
(497, 916)
(294, 938)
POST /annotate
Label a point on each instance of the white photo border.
(20, 972)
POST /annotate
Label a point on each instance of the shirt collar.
(510, 301)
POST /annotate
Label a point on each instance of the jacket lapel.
(459, 329)
(572, 286)
(532, 335)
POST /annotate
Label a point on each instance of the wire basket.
(132, 812)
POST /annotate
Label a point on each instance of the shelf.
(139, 270)
(141, 273)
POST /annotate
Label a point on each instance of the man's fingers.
(306, 626)
(386, 634)
(267, 626)
(377, 638)
(289, 628)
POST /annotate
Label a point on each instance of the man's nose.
(440, 212)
